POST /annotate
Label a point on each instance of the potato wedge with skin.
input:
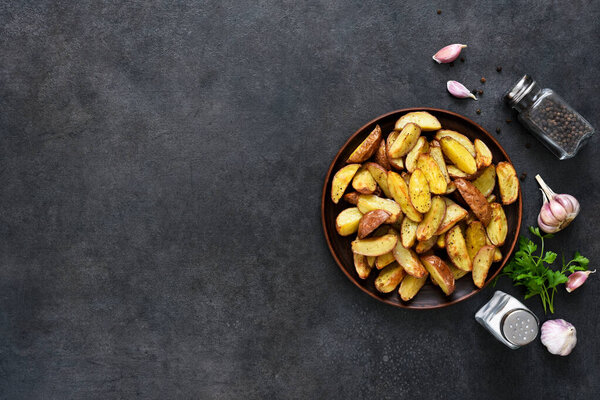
(371, 221)
(408, 232)
(418, 189)
(476, 201)
(381, 157)
(347, 221)
(435, 178)
(422, 146)
(497, 229)
(508, 183)
(380, 175)
(409, 260)
(371, 261)
(389, 278)
(455, 172)
(367, 148)
(362, 267)
(425, 120)
(456, 248)
(456, 272)
(432, 220)
(454, 214)
(459, 137)
(341, 180)
(491, 198)
(486, 181)
(397, 163)
(451, 188)
(351, 197)
(406, 140)
(371, 202)
(481, 265)
(436, 153)
(475, 237)
(363, 181)
(410, 286)
(400, 194)
(375, 246)
(441, 241)
(483, 155)
(425, 245)
(459, 155)
(440, 273)
(384, 260)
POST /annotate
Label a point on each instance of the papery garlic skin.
(559, 336)
(459, 90)
(449, 53)
(577, 279)
(558, 210)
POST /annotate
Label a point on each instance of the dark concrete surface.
(161, 167)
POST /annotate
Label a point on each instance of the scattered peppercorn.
(498, 69)
(462, 59)
(523, 176)
(508, 121)
(498, 131)
(439, 12)
(528, 145)
(480, 92)
(482, 80)
(478, 111)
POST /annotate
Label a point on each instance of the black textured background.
(161, 167)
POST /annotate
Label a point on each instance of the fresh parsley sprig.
(534, 271)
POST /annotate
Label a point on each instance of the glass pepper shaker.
(549, 118)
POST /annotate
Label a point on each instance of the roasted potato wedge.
(371, 221)
(475, 237)
(347, 221)
(397, 163)
(362, 267)
(380, 175)
(491, 198)
(363, 181)
(436, 153)
(459, 155)
(409, 260)
(435, 178)
(418, 189)
(441, 241)
(384, 259)
(459, 137)
(432, 220)
(375, 246)
(476, 201)
(421, 147)
(426, 245)
(408, 232)
(381, 156)
(406, 140)
(483, 155)
(371, 261)
(508, 183)
(341, 180)
(455, 172)
(440, 273)
(497, 229)
(456, 272)
(410, 286)
(351, 197)
(486, 181)
(425, 120)
(456, 248)
(389, 278)
(400, 194)
(481, 265)
(454, 214)
(371, 202)
(367, 148)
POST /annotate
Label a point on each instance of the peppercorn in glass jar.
(549, 118)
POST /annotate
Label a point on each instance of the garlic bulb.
(577, 279)
(449, 53)
(557, 211)
(459, 90)
(559, 336)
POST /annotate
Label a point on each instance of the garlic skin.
(459, 90)
(557, 211)
(559, 336)
(449, 53)
(577, 279)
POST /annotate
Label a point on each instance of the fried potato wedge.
(384, 259)
(408, 232)
(371, 221)
(440, 273)
(459, 137)
(380, 175)
(454, 214)
(481, 265)
(483, 155)
(410, 286)
(389, 278)
(459, 155)
(341, 180)
(497, 229)
(371, 261)
(371, 202)
(455, 172)
(441, 241)
(363, 181)
(475, 237)
(400, 194)
(375, 246)
(456, 248)
(367, 148)
(456, 272)
(508, 183)
(351, 197)
(347, 221)
(476, 201)
(409, 260)
(381, 157)
(435, 178)
(491, 198)
(426, 245)
(425, 120)
(362, 267)
(432, 220)
(418, 189)
(436, 153)
(422, 146)
(406, 140)
(486, 181)
(397, 163)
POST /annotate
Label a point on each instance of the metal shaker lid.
(520, 326)
(522, 94)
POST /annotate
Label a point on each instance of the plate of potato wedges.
(421, 208)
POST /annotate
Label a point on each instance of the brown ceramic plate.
(429, 296)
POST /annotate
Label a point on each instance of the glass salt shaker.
(509, 320)
(549, 118)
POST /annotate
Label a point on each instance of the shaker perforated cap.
(520, 327)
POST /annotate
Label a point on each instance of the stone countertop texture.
(161, 166)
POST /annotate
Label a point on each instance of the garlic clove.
(449, 53)
(548, 216)
(559, 336)
(545, 227)
(577, 279)
(459, 90)
(569, 203)
(557, 211)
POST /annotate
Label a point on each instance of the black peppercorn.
(523, 176)
(478, 111)
(482, 80)
(480, 92)
(498, 130)
(439, 12)
(498, 69)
